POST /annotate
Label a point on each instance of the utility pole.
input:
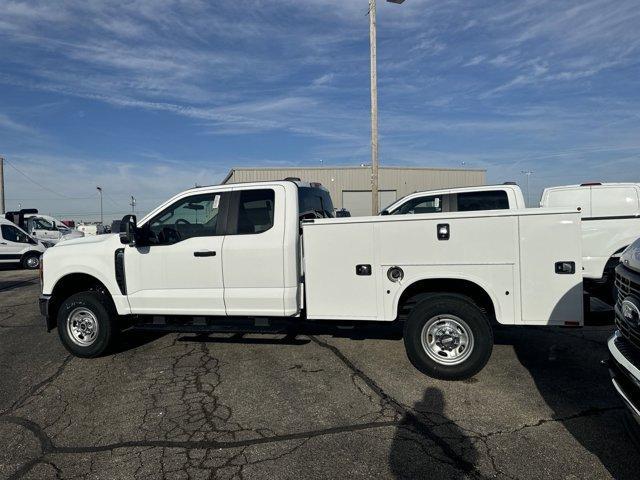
(374, 107)
(375, 205)
(528, 173)
(100, 190)
(133, 204)
(2, 211)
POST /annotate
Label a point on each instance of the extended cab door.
(180, 271)
(253, 252)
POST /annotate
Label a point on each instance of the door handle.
(204, 253)
(3, 243)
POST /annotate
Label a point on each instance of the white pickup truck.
(610, 218)
(212, 256)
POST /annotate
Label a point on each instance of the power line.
(42, 186)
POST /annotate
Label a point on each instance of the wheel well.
(415, 291)
(71, 284)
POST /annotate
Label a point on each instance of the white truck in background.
(610, 218)
(44, 228)
(507, 196)
(610, 223)
(214, 258)
(49, 230)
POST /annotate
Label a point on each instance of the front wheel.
(447, 336)
(85, 324)
(31, 261)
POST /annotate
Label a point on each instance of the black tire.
(100, 307)
(434, 310)
(31, 261)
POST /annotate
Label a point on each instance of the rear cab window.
(255, 211)
(314, 202)
(483, 200)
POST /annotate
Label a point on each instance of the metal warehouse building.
(350, 187)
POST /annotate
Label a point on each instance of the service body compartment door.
(334, 288)
(551, 269)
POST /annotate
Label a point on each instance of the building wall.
(401, 180)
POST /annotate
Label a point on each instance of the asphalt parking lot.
(348, 405)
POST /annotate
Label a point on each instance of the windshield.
(315, 200)
(39, 223)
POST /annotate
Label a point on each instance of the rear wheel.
(448, 336)
(85, 324)
(31, 261)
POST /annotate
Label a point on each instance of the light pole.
(100, 190)
(528, 173)
(374, 104)
(133, 204)
(2, 185)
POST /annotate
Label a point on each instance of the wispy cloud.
(492, 84)
(7, 123)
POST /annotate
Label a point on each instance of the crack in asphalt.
(38, 386)
(48, 447)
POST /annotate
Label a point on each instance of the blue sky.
(149, 97)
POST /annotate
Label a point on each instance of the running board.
(215, 324)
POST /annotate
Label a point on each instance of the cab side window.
(255, 211)
(194, 216)
(12, 234)
(489, 200)
(430, 204)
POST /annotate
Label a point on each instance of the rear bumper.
(43, 303)
(624, 367)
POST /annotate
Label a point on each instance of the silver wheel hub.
(33, 261)
(447, 339)
(82, 326)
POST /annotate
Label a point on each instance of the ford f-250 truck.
(212, 256)
(624, 344)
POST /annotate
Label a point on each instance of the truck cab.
(463, 199)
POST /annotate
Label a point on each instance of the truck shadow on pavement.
(566, 367)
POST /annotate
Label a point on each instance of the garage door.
(358, 202)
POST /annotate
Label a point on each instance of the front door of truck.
(180, 270)
(253, 252)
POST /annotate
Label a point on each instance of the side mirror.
(128, 228)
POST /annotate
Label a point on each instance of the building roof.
(349, 167)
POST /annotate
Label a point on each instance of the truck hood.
(631, 256)
(85, 240)
(73, 234)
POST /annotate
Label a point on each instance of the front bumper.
(43, 303)
(624, 367)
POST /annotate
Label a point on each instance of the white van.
(610, 223)
(17, 247)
